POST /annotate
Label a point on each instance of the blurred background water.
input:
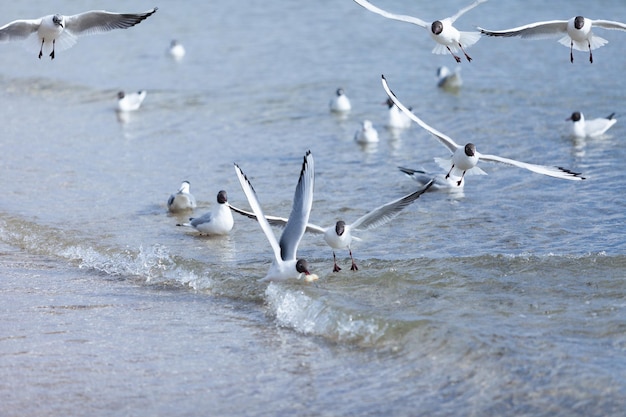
(505, 299)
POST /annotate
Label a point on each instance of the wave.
(376, 307)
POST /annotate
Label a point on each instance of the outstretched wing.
(445, 140)
(19, 29)
(389, 211)
(403, 18)
(98, 21)
(609, 24)
(277, 221)
(465, 10)
(556, 172)
(538, 30)
(256, 207)
(300, 211)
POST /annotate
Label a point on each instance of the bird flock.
(56, 32)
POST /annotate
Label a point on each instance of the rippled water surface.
(504, 299)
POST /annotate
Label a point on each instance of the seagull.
(183, 200)
(442, 31)
(219, 221)
(130, 101)
(577, 31)
(60, 32)
(447, 79)
(340, 103)
(339, 235)
(581, 128)
(176, 50)
(396, 119)
(285, 264)
(465, 158)
(367, 133)
(440, 182)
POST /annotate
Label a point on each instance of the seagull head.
(121, 95)
(340, 92)
(221, 197)
(437, 27)
(184, 187)
(575, 117)
(58, 20)
(340, 227)
(302, 266)
(579, 22)
(470, 149)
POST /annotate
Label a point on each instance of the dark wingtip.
(610, 116)
(572, 173)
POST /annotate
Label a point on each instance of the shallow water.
(506, 299)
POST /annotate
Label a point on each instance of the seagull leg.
(469, 58)
(449, 172)
(52, 53)
(41, 49)
(458, 59)
(335, 266)
(571, 52)
(353, 267)
(461, 180)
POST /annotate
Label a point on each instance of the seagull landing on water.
(285, 264)
(60, 32)
(465, 158)
(442, 31)
(577, 31)
(339, 235)
(581, 128)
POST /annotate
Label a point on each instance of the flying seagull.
(442, 31)
(577, 33)
(464, 158)
(60, 32)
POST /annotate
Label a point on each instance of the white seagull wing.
(389, 211)
(277, 221)
(256, 207)
(445, 140)
(609, 24)
(403, 18)
(557, 172)
(538, 30)
(300, 211)
(98, 21)
(19, 29)
(465, 10)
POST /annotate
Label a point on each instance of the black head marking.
(340, 91)
(470, 149)
(340, 227)
(221, 197)
(57, 19)
(575, 117)
(302, 266)
(120, 95)
(437, 27)
(579, 22)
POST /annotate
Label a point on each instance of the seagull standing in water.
(581, 128)
(182, 200)
(219, 221)
(465, 158)
(340, 103)
(130, 101)
(60, 32)
(339, 235)
(285, 264)
(443, 32)
(577, 31)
